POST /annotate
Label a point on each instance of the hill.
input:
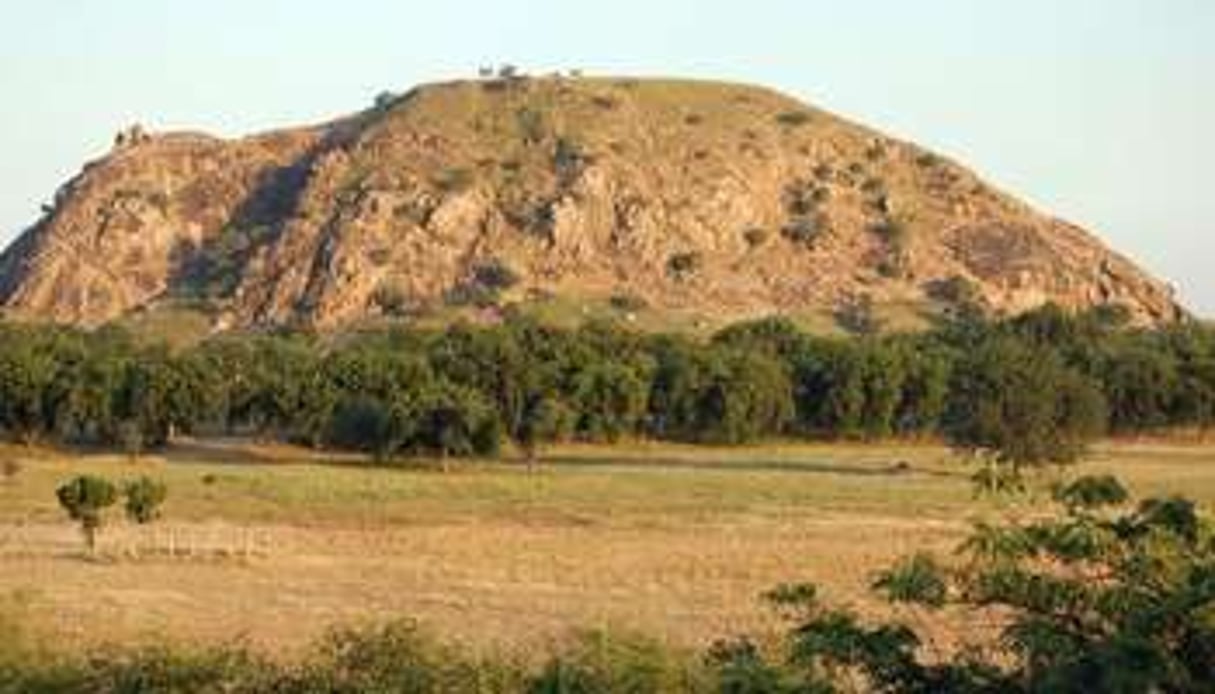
(713, 200)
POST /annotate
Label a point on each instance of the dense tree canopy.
(1030, 389)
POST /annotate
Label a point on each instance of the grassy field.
(271, 546)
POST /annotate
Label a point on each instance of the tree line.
(1030, 388)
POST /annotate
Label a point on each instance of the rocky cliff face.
(728, 200)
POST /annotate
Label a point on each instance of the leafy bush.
(602, 661)
(385, 100)
(85, 498)
(399, 657)
(793, 119)
(681, 266)
(568, 160)
(496, 274)
(454, 180)
(391, 300)
(755, 236)
(1097, 597)
(856, 316)
(531, 125)
(955, 289)
(805, 230)
(629, 303)
(144, 497)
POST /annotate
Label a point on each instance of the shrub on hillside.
(793, 119)
(682, 266)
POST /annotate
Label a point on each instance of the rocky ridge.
(727, 200)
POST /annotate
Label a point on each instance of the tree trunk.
(90, 538)
(531, 458)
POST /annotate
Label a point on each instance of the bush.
(495, 274)
(681, 266)
(144, 497)
(399, 657)
(1096, 597)
(454, 180)
(856, 316)
(385, 100)
(891, 231)
(361, 424)
(531, 125)
(805, 230)
(391, 300)
(755, 237)
(601, 661)
(793, 119)
(629, 303)
(85, 498)
(956, 290)
(568, 160)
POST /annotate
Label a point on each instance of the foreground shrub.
(149, 670)
(1100, 597)
(602, 661)
(400, 657)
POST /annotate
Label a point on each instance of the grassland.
(271, 546)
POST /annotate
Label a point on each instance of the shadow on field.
(894, 468)
(244, 451)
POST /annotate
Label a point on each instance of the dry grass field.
(271, 546)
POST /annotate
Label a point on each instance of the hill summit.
(722, 200)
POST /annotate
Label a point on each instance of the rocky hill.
(724, 200)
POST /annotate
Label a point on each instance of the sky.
(1098, 111)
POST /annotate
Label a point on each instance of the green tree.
(454, 420)
(743, 396)
(928, 366)
(1140, 384)
(363, 423)
(26, 373)
(1021, 406)
(610, 399)
(545, 420)
(143, 499)
(492, 362)
(85, 498)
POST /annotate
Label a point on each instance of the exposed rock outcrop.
(723, 199)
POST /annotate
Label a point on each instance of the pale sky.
(1094, 110)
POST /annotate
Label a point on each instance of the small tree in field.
(84, 499)
(144, 497)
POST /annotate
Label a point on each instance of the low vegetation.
(86, 497)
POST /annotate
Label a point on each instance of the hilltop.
(660, 197)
